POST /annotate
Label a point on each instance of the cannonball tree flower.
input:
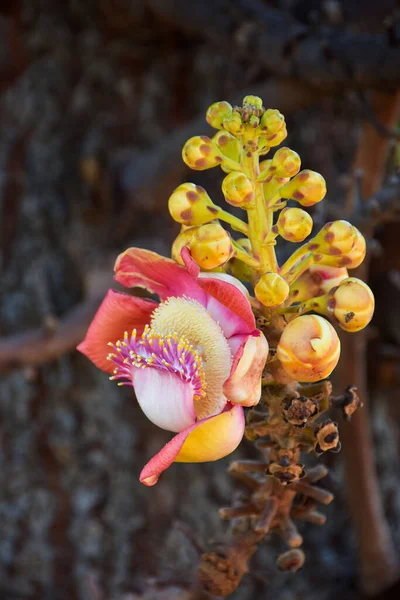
(194, 359)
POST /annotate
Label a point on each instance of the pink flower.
(194, 359)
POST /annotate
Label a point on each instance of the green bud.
(253, 101)
(228, 144)
(217, 113)
(234, 124)
(272, 121)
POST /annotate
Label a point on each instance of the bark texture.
(96, 99)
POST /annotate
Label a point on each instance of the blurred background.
(97, 99)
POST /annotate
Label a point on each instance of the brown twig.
(53, 339)
(377, 554)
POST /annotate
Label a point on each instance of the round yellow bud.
(217, 112)
(272, 121)
(294, 224)
(266, 142)
(351, 259)
(352, 304)
(200, 153)
(309, 348)
(234, 124)
(308, 188)
(190, 205)
(183, 239)
(228, 145)
(252, 101)
(271, 290)
(357, 254)
(211, 246)
(285, 163)
(238, 189)
(274, 139)
(335, 238)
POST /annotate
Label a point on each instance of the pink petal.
(165, 399)
(244, 384)
(189, 263)
(117, 313)
(228, 305)
(207, 440)
(162, 276)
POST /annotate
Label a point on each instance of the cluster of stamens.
(167, 353)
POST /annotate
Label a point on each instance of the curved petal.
(228, 279)
(159, 275)
(189, 263)
(244, 384)
(117, 313)
(165, 399)
(206, 440)
(227, 304)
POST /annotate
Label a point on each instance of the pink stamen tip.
(166, 353)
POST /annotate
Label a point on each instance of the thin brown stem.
(376, 550)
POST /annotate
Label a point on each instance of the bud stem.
(294, 272)
(236, 223)
(293, 260)
(318, 305)
(240, 254)
(231, 164)
(259, 217)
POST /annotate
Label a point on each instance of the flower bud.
(294, 224)
(272, 121)
(252, 101)
(351, 259)
(308, 188)
(234, 124)
(238, 189)
(265, 165)
(228, 145)
(245, 244)
(358, 251)
(190, 205)
(200, 153)
(271, 139)
(316, 281)
(285, 163)
(352, 304)
(271, 290)
(328, 277)
(309, 348)
(180, 241)
(251, 111)
(211, 246)
(335, 238)
(217, 112)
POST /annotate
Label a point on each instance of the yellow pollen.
(188, 319)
